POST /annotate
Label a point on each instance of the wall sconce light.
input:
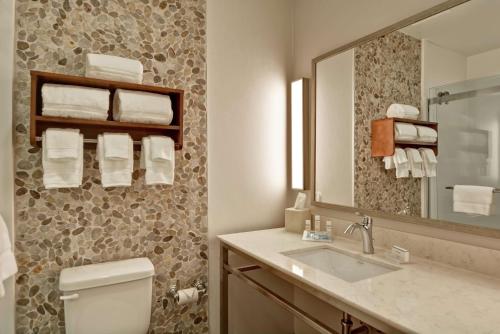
(299, 131)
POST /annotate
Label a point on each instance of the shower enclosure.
(468, 113)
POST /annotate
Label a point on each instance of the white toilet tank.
(108, 298)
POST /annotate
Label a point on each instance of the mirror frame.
(448, 225)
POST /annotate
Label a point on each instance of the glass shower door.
(468, 114)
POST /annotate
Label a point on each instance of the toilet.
(108, 298)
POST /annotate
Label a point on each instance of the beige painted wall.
(483, 65)
(249, 47)
(6, 153)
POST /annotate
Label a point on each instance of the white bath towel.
(115, 173)
(62, 173)
(162, 148)
(116, 146)
(75, 101)
(401, 162)
(405, 131)
(142, 107)
(426, 134)
(473, 199)
(399, 110)
(430, 161)
(157, 172)
(113, 68)
(416, 162)
(62, 143)
(389, 162)
(8, 265)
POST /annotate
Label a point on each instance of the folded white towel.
(162, 148)
(113, 68)
(405, 131)
(75, 101)
(426, 134)
(75, 113)
(115, 173)
(389, 162)
(8, 265)
(143, 107)
(402, 111)
(62, 143)
(430, 161)
(401, 162)
(416, 162)
(116, 146)
(160, 171)
(62, 173)
(473, 199)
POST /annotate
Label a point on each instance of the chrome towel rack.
(496, 190)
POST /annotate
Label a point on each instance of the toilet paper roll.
(187, 296)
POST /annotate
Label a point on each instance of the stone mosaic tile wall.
(387, 70)
(56, 229)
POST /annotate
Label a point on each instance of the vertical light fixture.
(299, 107)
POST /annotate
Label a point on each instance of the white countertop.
(422, 297)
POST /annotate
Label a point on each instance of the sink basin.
(350, 268)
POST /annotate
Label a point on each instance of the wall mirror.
(445, 62)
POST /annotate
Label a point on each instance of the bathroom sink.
(346, 266)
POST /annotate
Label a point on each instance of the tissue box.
(295, 219)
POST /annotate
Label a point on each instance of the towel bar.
(496, 190)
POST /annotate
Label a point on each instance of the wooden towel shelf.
(384, 140)
(91, 128)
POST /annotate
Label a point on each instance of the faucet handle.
(350, 229)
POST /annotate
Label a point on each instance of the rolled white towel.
(62, 173)
(8, 265)
(401, 162)
(430, 161)
(116, 146)
(399, 110)
(115, 173)
(473, 199)
(426, 134)
(416, 162)
(389, 162)
(405, 131)
(142, 107)
(62, 143)
(113, 68)
(75, 101)
(159, 171)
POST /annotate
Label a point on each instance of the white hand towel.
(399, 110)
(62, 97)
(113, 68)
(8, 265)
(116, 146)
(401, 162)
(62, 173)
(405, 131)
(416, 162)
(430, 161)
(426, 134)
(115, 173)
(157, 172)
(143, 107)
(62, 143)
(389, 162)
(162, 148)
(473, 199)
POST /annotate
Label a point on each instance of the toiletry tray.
(92, 128)
(384, 140)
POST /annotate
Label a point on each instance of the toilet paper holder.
(198, 284)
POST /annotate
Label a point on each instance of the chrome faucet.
(366, 232)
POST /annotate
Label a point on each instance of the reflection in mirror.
(446, 66)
